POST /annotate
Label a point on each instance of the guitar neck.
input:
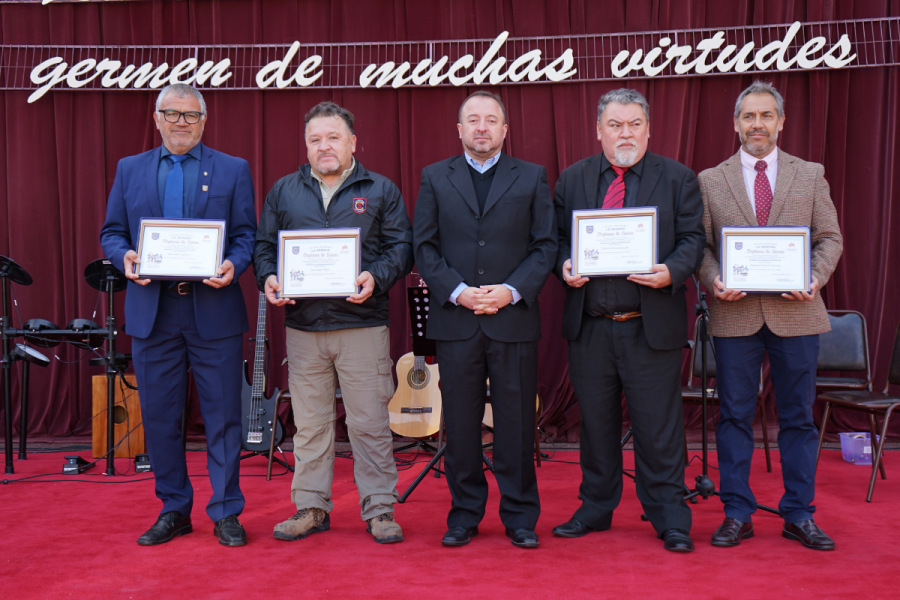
(259, 358)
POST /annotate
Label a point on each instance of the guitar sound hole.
(418, 378)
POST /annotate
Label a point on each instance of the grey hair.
(181, 90)
(760, 87)
(623, 96)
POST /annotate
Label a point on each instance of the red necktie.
(762, 191)
(615, 195)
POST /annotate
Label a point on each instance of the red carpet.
(77, 540)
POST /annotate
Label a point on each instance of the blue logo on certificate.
(295, 250)
(155, 236)
(738, 245)
(590, 229)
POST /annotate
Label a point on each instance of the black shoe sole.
(566, 534)
(683, 549)
(232, 543)
(178, 532)
(723, 544)
(790, 536)
(391, 539)
(293, 538)
(453, 543)
(525, 544)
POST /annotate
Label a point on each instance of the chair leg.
(877, 457)
(873, 428)
(822, 432)
(765, 432)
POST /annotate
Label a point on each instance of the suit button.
(481, 271)
(481, 243)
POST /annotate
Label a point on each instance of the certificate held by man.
(766, 260)
(182, 249)
(621, 241)
(318, 263)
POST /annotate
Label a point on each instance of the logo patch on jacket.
(359, 205)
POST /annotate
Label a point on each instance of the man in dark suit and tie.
(173, 322)
(626, 334)
(484, 241)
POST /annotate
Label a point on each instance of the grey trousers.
(360, 360)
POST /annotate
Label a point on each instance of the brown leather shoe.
(731, 532)
(385, 529)
(808, 533)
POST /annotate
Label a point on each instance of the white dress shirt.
(748, 168)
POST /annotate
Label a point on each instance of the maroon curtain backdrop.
(59, 155)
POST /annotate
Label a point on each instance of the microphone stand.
(705, 486)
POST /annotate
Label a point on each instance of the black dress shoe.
(522, 537)
(459, 536)
(808, 533)
(230, 531)
(167, 526)
(731, 532)
(572, 528)
(676, 540)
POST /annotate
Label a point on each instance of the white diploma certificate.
(182, 249)
(619, 241)
(316, 263)
(771, 260)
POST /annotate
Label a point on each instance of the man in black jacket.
(339, 338)
(485, 243)
(627, 334)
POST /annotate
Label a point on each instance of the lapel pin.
(205, 173)
(205, 188)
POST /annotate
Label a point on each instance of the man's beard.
(760, 148)
(626, 157)
(328, 170)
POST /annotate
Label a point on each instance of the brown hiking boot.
(305, 522)
(384, 529)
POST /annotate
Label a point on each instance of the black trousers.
(607, 358)
(512, 367)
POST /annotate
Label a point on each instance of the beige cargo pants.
(360, 360)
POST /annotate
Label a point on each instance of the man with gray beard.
(626, 333)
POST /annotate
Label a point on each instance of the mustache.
(758, 131)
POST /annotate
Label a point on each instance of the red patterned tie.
(762, 190)
(615, 195)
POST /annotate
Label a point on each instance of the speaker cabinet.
(126, 416)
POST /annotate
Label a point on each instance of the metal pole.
(23, 409)
(110, 375)
(7, 389)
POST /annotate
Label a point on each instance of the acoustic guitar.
(415, 409)
(260, 421)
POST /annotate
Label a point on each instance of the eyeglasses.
(173, 116)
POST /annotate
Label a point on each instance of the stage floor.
(66, 539)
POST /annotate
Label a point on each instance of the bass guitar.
(260, 420)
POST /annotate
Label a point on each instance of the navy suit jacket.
(219, 312)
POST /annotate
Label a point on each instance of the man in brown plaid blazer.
(759, 186)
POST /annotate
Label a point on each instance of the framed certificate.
(618, 241)
(766, 260)
(318, 263)
(182, 249)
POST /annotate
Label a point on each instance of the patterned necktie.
(762, 192)
(615, 195)
(173, 201)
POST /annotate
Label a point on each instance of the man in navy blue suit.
(173, 322)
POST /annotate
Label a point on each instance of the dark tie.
(615, 194)
(173, 201)
(762, 192)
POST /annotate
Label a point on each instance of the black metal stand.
(432, 465)
(705, 486)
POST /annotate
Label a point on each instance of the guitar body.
(259, 419)
(415, 409)
(262, 425)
